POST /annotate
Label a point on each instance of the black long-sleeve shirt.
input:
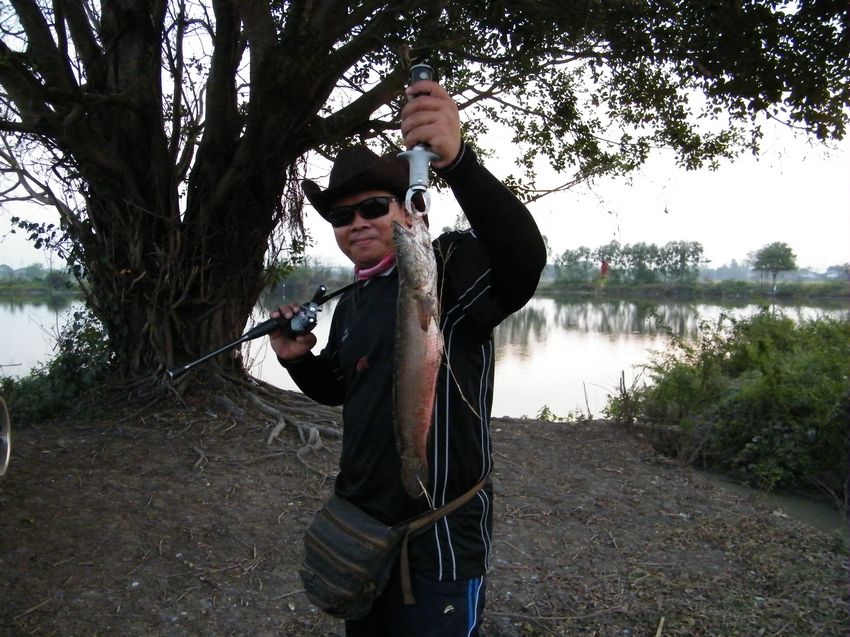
(486, 273)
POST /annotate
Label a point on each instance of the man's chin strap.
(378, 269)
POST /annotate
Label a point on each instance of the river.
(566, 356)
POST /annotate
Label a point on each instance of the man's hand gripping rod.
(418, 199)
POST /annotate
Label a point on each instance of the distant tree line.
(52, 280)
(677, 261)
(683, 262)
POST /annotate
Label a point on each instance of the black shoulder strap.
(418, 524)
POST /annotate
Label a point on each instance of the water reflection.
(29, 329)
(535, 321)
(612, 317)
(23, 304)
(533, 324)
(523, 328)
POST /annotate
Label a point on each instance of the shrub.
(765, 398)
(80, 365)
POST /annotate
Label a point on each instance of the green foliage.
(774, 258)
(677, 261)
(42, 235)
(739, 291)
(35, 279)
(765, 398)
(282, 268)
(547, 415)
(56, 281)
(54, 388)
(576, 266)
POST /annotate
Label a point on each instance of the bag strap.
(421, 523)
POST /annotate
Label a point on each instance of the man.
(485, 274)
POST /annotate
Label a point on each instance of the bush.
(81, 364)
(765, 398)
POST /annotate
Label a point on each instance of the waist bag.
(349, 555)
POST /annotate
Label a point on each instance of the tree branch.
(41, 48)
(25, 92)
(85, 43)
(343, 121)
(177, 69)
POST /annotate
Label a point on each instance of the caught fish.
(418, 351)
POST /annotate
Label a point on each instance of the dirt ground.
(188, 520)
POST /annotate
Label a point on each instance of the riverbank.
(828, 294)
(189, 520)
(37, 294)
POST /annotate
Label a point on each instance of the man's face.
(367, 241)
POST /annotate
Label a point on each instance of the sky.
(796, 191)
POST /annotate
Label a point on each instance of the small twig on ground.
(289, 594)
(32, 609)
(222, 428)
(613, 541)
(202, 460)
(139, 565)
(660, 628)
(508, 460)
(201, 574)
(172, 435)
(514, 548)
(186, 592)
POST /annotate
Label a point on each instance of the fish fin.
(425, 311)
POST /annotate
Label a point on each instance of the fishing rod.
(301, 323)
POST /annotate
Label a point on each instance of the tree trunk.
(175, 275)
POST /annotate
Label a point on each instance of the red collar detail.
(384, 265)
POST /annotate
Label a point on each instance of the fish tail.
(412, 470)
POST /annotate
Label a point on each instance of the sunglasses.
(371, 208)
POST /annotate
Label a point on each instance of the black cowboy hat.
(359, 169)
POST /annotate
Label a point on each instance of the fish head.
(415, 254)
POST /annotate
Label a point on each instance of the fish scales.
(418, 351)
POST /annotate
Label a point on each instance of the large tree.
(774, 258)
(170, 135)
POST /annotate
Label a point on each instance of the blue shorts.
(444, 609)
